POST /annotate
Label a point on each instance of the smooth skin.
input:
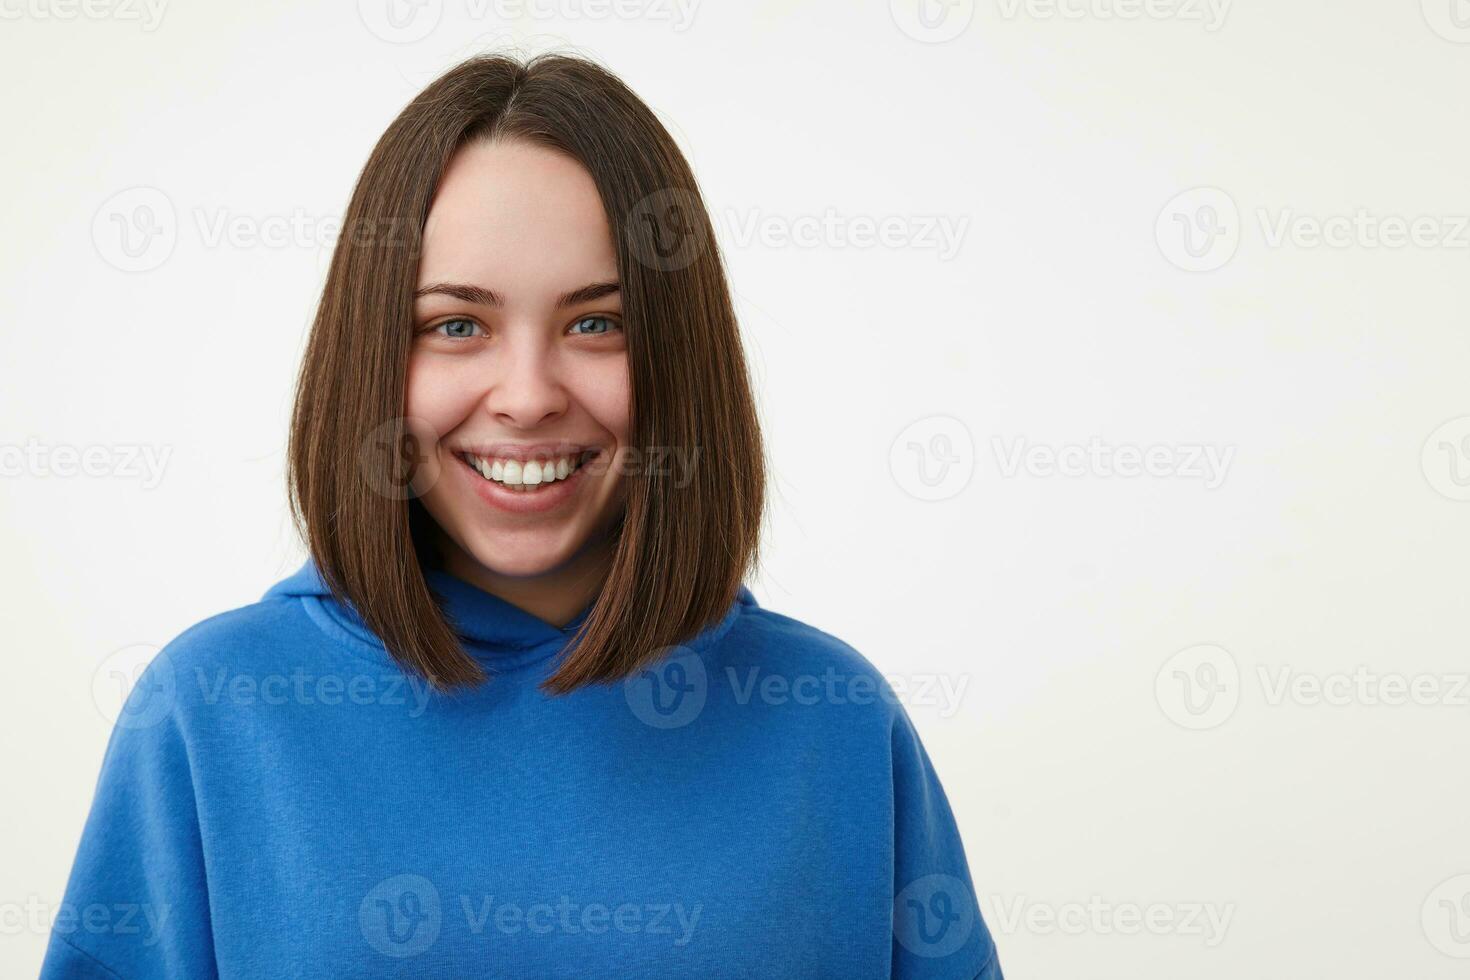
(526, 224)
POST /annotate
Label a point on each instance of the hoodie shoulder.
(271, 622)
(800, 642)
(789, 648)
(273, 635)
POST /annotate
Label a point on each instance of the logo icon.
(400, 21)
(401, 917)
(134, 687)
(1450, 19)
(1199, 687)
(1446, 917)
(1199, 230)
(669, 693)
(1446, 459)
(666, 230)
(933, 458)
(398, 459)
(136, 230)
(934, 915)
(932, 21)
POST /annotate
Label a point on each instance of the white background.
(1089, 778)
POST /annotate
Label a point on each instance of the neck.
(553, 597)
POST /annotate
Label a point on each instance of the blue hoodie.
(279, 799)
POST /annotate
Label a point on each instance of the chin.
(523, 558)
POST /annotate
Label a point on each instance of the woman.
(518, 716)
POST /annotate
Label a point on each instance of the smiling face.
(519, 367)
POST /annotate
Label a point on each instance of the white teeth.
(529, 473)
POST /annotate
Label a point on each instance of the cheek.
(602, 389)
(437, 393)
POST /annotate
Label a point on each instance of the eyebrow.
(481, 296)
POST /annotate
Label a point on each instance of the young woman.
(517, 715)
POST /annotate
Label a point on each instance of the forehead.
(521, 219)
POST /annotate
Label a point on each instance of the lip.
(521, 501)
(524, 451)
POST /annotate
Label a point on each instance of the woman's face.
(518, 377)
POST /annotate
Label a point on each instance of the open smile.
(529, 483)
(527, 476)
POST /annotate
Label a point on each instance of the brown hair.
(681, 551)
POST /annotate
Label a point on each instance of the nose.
(526, 390)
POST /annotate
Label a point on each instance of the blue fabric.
(279, 799)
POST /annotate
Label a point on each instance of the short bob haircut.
(681, 551)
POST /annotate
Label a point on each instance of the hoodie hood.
(498, 633)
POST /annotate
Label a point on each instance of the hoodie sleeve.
(136, 904)
(938, 930)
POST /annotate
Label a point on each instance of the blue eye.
(457, 329)
(608, 324)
